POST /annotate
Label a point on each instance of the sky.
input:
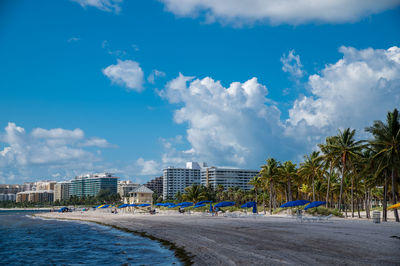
(131, 87)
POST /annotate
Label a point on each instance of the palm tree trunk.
(385, 199)
(313, 189)
(290, 190)
(396, 215)
(329, 183)
(341, 186)
(367, 203)
(264, 201)
(352, 196)
(358, 208)
(270, 198)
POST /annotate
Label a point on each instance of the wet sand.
(270, 240)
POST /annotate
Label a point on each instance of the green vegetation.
(350, 175)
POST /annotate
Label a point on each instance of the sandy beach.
(270, 240)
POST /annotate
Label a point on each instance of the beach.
(259, 240)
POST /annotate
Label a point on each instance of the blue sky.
(76, 95)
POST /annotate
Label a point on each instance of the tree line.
(348, 174)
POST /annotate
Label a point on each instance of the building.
(8, 197)
(62, 190)
(91, 184)
(11, 189)
(44, 185)
(124, 187)
(156, 185)
(35, 196)
(228, 177)
(140, 195)
(177, 179)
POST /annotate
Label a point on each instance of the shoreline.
(204, 240)
(179, 252)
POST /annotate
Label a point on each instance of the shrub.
(324, 211)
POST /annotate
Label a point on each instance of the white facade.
(228, 177)
(177, 179)
(124, 187)
(62, 190)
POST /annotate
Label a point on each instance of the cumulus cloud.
(104, 5)
(225, 125)
(44, 150)
(278, 11)
(353, 92)
(291, 63)
(126, 73)
(240, 126)
(155, 74)
(149, 167)
(97, 142)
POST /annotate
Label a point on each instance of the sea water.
(25, 240)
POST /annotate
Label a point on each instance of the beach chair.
(325, 218)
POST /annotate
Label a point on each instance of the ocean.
(25, 240)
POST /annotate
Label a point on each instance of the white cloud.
(292, 64)
(295, 12)
(126, 73)
(353, 92)
(97, 142)
(225, 125)
(155, 74)
(240, 126)
(44, 151)
(104, 5)
(149, 167)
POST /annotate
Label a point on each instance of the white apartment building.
(228, 177)
(124, 187)
(62, 190)
(177, 179)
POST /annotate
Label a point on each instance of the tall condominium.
(35, 196)
(228, 177)
(62, 190)
(177, 179)
(156, 185)
(91, 184)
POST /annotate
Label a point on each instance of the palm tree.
(330, 161)
(311, 169)
(287, 172)
(256, 183)
(347, 148)
(269, 173)
(386, 144)
(194, 193)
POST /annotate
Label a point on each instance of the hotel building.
(228, 177)
(177, 179)
(156, 185)
(35, 196)
(62, 190)
(91, 184)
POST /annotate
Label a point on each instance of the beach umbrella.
(132, 205)
(225, 204)
(294, 203)
(143, 205)
(314, 204)
(160, 204)
(251, 204)
(395, 206)
(98, 207)
(211, 207)
(104, 206)
(172, 206)
(198, 206)
(62, 209)
(123, 206)
(203, 201)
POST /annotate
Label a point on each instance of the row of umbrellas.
(303, 202)
(104, 206)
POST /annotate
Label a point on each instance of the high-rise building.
(61, 190)
(228, 177)
(11, 189)
(91, 184)
(124, 187)
(177, 179)
(35, 196)
(156, 185)
(45, 185)
(9, 197)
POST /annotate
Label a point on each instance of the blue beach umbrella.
(104, 206)
(314, 204)
(132, 205)
(250, 205)
(172, 206)
(294, 203)
(160, 204)
(203, 201)
(123, 206)
(143, 205)
(225, 204)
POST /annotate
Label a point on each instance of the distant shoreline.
(257, 240)
(26, 209)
